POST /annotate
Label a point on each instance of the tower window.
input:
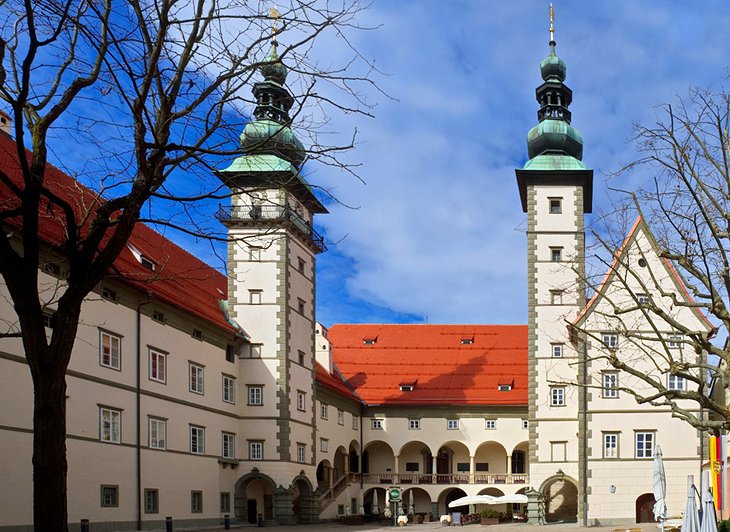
(254, 297)
(556, 205)
(557, 350)
(556, 254)
(556, 297)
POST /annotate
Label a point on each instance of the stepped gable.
(179, 278)
(440, 364)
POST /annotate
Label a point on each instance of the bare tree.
(132, 95)
(666, 292)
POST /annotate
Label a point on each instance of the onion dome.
(554, 135)
(270, 133)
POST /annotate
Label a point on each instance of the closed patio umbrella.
(660, 487)
(709, 519)
(375, 501)
(691, 517)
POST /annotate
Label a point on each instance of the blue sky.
(437, 232)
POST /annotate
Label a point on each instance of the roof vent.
(467, 340)
(407, 386)
(370, 340)
(505, 385)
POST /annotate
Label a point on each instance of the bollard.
(168, 524)
(84, 525)
(226, 522)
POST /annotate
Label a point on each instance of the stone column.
(509, 466)
(433, 469)
(472, 480)
(284, 506)
(395, 469)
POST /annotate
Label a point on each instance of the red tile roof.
(447, 371)
(179, 278)
(334, 382)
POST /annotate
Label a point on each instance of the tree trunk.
(50, 513)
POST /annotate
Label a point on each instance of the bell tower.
(556, 191)
(271, 289)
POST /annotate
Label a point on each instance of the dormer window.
(407, 386)
(467, 340)
(505, 387)
(146, 262)
(158, 316)
(369, 340)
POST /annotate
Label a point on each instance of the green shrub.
(488, 512)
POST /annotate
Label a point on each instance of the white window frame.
(377, 423)
(151, 501)
(644, 444)
(610, 445)
(110, 498)
(255, 450)
(301, 401)
(112, 352)
(414, 424)
(196, 502)
(675, 341)
(324, 445)
(156, 427)
(609, 385)
(255, 395)
(196, 378)
(197, 439)
(110, 425)
(323, 411)
(228, 445)
(556, 254)
(157, 362)
(676, 382)
(557, 396)
(452, 424)
(229, 389)
(340, 417)
(556, 297)
(557, 350)
(490, 424)
(355, 422)
(255, 297)
(609, 340)
(559, 205)
(301, 453)
(643, 299)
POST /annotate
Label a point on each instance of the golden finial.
(552, 20)
(275, 16)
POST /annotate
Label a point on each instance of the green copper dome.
(270, 137)
(273, 69)
(552, 67)
(554, 136)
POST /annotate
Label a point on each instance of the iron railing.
(262, 214)
(455, 478)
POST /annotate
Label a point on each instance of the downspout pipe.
(138, 403)
(584, 430)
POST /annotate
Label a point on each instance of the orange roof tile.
(179, 278)
(447, 371)
(334, 382)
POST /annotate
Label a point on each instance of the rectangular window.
(196, 502)
(340, 417)
(556, 254)
(610, 384)
(300, 306)
(323, 411)
(376, 424)
(675, 382)
(557, 350)
(109, 294)
(300, 264)
(110, 423)
(256, 350)
(157, 433)
(355, 422)
(557, 396)
(412, 467)
(110, 350)
(197, 334)
(643, 299)
(504, 387)
(324, 445)
(48, 319)
(196, 378)
(452, 424)
(151, 501)
(610, 340)
(109, 496)
(231, 353)
(644, 445)
(254, 297)
(414, 424)
(157, 365)
(255, 450)
(481, 467)
(556, 205)
(254, 253)
(462, 467)
(675, 341)
(229, 389)
(525, 423)
(158, 316)
(228, 445)
(225, 502)
(255, 395)
(197, 440)
(301, 401)
(490, 424)
(300, 358)
(301, 453)
(610, 445)
(558, 451)
(556, 297)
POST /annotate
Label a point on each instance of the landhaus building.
(195, 394)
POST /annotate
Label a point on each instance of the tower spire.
(552, 27)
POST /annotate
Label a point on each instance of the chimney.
(6, 123)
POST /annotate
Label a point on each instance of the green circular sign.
(394, 494)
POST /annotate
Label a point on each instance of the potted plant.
(490, 517)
